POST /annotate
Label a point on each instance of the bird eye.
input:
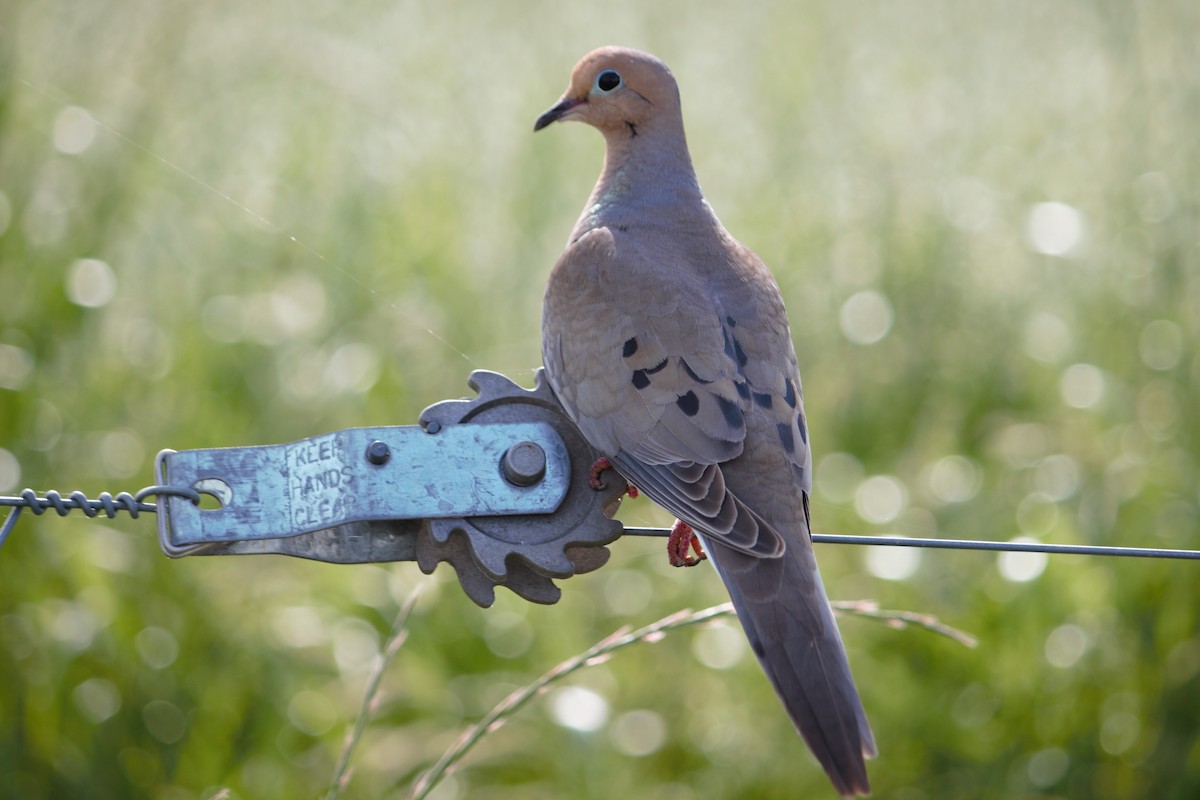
(608, 80)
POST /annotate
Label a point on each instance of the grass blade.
(342, 772)
(622, 638)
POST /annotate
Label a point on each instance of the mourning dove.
(667, 342)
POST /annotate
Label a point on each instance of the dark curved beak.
(554, 114)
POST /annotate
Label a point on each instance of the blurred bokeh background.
(246, 223)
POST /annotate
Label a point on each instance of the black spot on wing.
(729, 346)
(688, 403)
(785, 436)
(659, 367)
(739, 353)
(730, 322)
(743, 390)
(630, 348)
(803, 426)
(790, 396)
(731, 411)
(693, 375)
(641, 377)
(762, 399)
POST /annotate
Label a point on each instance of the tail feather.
(782, 606)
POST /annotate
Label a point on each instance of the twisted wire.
(105, 503)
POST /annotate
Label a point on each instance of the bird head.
(617, 90)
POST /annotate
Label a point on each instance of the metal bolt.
(433, 426)
(524, 464)
(378, 452)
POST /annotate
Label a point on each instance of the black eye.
(608, 80)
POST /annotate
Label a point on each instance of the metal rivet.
(524, 464)
(378, 452)
(433, 426)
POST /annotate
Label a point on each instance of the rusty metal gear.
(525, 552)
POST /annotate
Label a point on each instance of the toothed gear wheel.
(523, 552)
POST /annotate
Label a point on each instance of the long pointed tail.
(782, 605)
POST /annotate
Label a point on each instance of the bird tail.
(783, 608)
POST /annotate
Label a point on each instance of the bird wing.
(662, 367)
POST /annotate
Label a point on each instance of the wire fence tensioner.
(490, 484)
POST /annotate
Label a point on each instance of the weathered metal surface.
(496, 485)
(283, 490)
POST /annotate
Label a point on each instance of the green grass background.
(320, 215)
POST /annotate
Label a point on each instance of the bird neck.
(641, 172)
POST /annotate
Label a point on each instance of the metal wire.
(135, 504)
(972, 544)
(132, 504)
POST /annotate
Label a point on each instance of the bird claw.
(681, 539)
(600, 465)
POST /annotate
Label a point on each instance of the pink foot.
(681, 539)
(602, 463)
